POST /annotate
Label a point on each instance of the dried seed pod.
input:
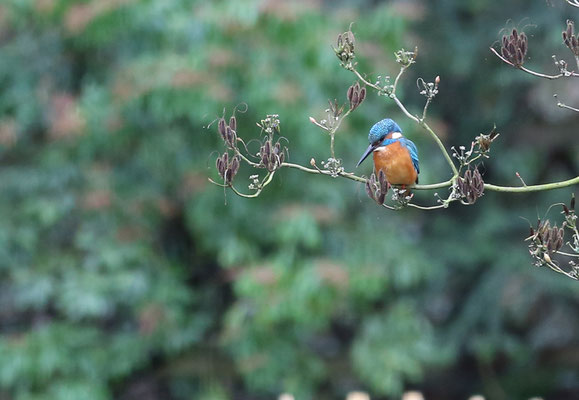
(234, 166)
(354, 101)
(362, 95)
(228, 176)
(228, 135)
(350, 93)
(220, 167)
(233, 123)
(265, 160)
(381, 198)
(221, 127)
(383, 182)
(369, 189)
(570, 39)
(505, 52)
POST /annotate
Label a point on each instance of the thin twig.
(427, 207)
(217, 183)
(559, 104)
(567, 254)
(402, 69)
(520, 178)
(558, 269)
(247, 160)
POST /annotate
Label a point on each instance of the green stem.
(533, 188)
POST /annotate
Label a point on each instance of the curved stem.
(267, 180)
(247, 160)
(530, 72)
(427, 207)
(323, 172)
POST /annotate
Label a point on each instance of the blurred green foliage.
(125, 274)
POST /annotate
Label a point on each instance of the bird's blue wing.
(413, 152)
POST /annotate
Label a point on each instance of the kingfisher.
(393, 154)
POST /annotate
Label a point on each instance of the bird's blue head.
(380, 129)
(378, 133)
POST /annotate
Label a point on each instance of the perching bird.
(393, 153)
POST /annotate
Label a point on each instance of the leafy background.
(125, 274)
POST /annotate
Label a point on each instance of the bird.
(394, 154)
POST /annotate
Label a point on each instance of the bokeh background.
(125, 274)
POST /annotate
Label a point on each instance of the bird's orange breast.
(396, 163)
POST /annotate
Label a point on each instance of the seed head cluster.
(514, 48)
(345, 49)
(570, 38)
(356, 95)
(228, 132)
(227, 167)
(471, 185)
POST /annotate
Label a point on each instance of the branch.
(532, 188)
(558, 269)
(562, 105)
(530, 72)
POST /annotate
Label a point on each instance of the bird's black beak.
(369, 150)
